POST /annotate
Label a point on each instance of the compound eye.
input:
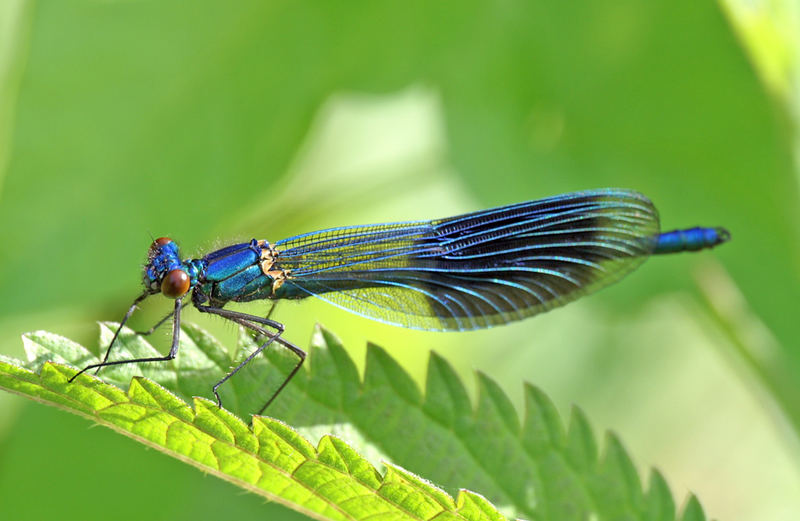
(158, 243)
(175, 284)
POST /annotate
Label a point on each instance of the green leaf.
(532, 469)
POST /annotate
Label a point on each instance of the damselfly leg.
(173, 350)
(252, 322)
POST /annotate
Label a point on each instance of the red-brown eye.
(175, 284)
(158, 243)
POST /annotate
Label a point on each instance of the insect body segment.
(693, 239)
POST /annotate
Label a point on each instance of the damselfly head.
(164, 271)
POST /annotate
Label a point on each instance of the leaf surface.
(531, 468)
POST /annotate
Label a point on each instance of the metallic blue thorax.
(236, 273)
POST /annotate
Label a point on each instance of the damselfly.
(472, 271)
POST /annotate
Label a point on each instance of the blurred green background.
(215, 121)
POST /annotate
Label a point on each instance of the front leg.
(173, 351)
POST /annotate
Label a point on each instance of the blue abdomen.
(691, 239)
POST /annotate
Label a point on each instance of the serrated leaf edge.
(91, 384)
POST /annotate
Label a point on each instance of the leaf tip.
(581, 445)
(693, 510)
